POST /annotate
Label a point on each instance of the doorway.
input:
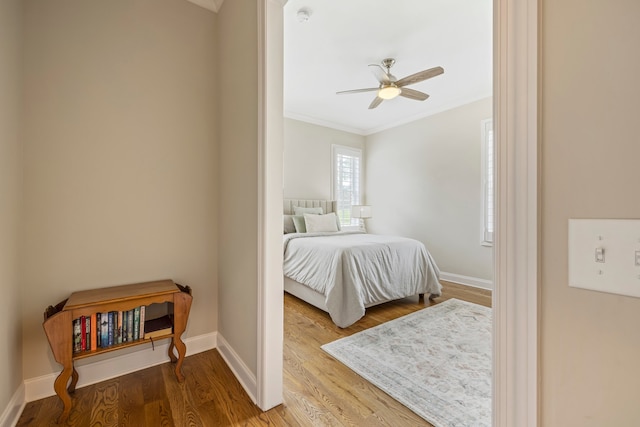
(515, 273)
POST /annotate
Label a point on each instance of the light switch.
(604, 255)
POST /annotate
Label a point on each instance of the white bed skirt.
(312, 297)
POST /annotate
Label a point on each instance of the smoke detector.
(303, 15)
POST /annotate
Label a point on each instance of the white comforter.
(353, 269)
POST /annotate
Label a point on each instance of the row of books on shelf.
(102, 330)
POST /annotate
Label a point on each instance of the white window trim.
(335, 149)
(486, 238)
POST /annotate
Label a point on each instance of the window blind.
(347, 171)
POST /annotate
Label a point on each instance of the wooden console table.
(58, 326)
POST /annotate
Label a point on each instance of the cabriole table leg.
(60, 387)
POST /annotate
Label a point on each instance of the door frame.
(516, 269)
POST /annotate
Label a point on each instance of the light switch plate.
(618, 241)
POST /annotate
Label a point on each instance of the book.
(98, 330)
(94, 335)
(118, 338)
(158, 327)
(136, 323)
(104, 329)
(142, 315)
(110, 328)
(77, 336)
(125, 316)
(83, 333)
(87, 333)
(130, 326)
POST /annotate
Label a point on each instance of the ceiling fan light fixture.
(389, 92)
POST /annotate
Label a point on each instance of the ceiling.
(332, 50)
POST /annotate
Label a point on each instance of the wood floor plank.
(83, 405)
(158, 413)
(29, 414)
(104, 407)
(318, 389)
(131, 402)
(183, 408)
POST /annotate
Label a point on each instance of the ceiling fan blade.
(380, 74)
(420, 76)
(413, 94)
(370, 89)
(376, 101)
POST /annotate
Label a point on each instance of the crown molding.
(322, 122)
(212, 5)
(370, 131)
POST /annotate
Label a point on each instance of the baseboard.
(467, 280)
(12, 412)
(91, 373)
(244, 375)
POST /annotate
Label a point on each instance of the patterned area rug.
(436, 362)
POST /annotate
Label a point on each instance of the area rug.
(436, 362)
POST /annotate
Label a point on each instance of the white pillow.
(316, 223)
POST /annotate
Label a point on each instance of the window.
(346, 175)
(488, 180)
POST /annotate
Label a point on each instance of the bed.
(345, 272)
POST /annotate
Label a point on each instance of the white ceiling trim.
(212, 5)
(444, 107)
(324, 123)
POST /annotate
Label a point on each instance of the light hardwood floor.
(319, 391)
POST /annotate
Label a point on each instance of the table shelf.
(58, 321)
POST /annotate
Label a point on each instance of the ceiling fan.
(390, 87)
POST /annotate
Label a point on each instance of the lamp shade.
(361, 211)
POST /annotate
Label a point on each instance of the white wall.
(120, 155)
(11, 42)
(307, 158)
(423, 181)
(238, 176)
(590, 99)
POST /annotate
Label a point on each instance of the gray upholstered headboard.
(326, 205)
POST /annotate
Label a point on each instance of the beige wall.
(10, 198)
(307, 158)
(589, 169)
(238, 177)
(120, 155)
(423, 181)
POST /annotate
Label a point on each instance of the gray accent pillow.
(299, 210)
(289, 226)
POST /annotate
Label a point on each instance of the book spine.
(119, 328)
(142, 315)
(104, 330)
(87, 333)
(130, 326)
(83, 333)
(98, 330)
(136, 323)
(76, 336)
(94, 335)
(110, 330)
(125, 326)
